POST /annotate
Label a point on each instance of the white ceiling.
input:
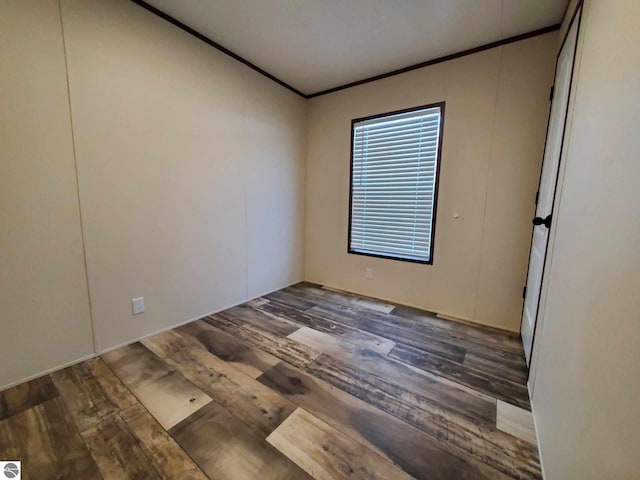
(315, 45)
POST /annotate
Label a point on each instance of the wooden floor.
(304, 383)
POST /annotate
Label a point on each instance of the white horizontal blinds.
(393, 181)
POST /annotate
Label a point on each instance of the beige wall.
(191, 171)
(495, 121)
(587, 382)
(190, 177)
(44, 307)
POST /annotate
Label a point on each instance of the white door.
(547, 188)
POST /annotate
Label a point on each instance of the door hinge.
(524, 292)
(551, 91)
(537, 196)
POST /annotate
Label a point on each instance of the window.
(395, 159)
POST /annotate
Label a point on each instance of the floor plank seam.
(462, 364)
(307, 368)
(305, 379)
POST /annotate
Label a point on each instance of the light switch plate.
(137, 305)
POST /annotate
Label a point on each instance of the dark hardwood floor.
(306, 382)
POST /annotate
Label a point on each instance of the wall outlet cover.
(137, 305)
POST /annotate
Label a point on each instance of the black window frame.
(441, 105)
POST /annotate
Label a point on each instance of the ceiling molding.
(446, 58)
(391, 73)
(216, 45)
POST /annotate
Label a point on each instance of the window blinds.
(394, 167)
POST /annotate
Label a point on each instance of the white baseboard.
(48, 371)
(129, 342)
(535, 424)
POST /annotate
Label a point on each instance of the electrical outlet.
(369, 273)
(137, 305)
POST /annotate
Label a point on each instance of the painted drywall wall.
(190, 167)
(494, 130)
(587, 382)
(44, 306)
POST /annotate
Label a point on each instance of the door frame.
(576, 15)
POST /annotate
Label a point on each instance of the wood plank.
(378, 306)
(116, 452)
(244, 397)
(167, 395)
(9, 446)
(47, 443)
(328, 343)
(373, 342)
(480, 335)
(226, 347)
(168, 459)
(324, 293)
(327, 454)
(423, 387)
(362, 301)
(261, 321)
(283, 348)
(417, 453)
(294, 301)
(502, 356)
(514, 372)
(404, 326)
(426, 338)
(171, 399)
(497, 387)
(429, 408)
(510, 455)
(429, 342)
(323, 342)
(421, 383)
(256, 302)
(26, 395)
(227, 449)
(428, 388)
(516, 421)
(91, 392)
(452, 384)
(133, 364)
(421, 352)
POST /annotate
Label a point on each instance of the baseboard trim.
(535, 425)
(47, 372)
(129, 342)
